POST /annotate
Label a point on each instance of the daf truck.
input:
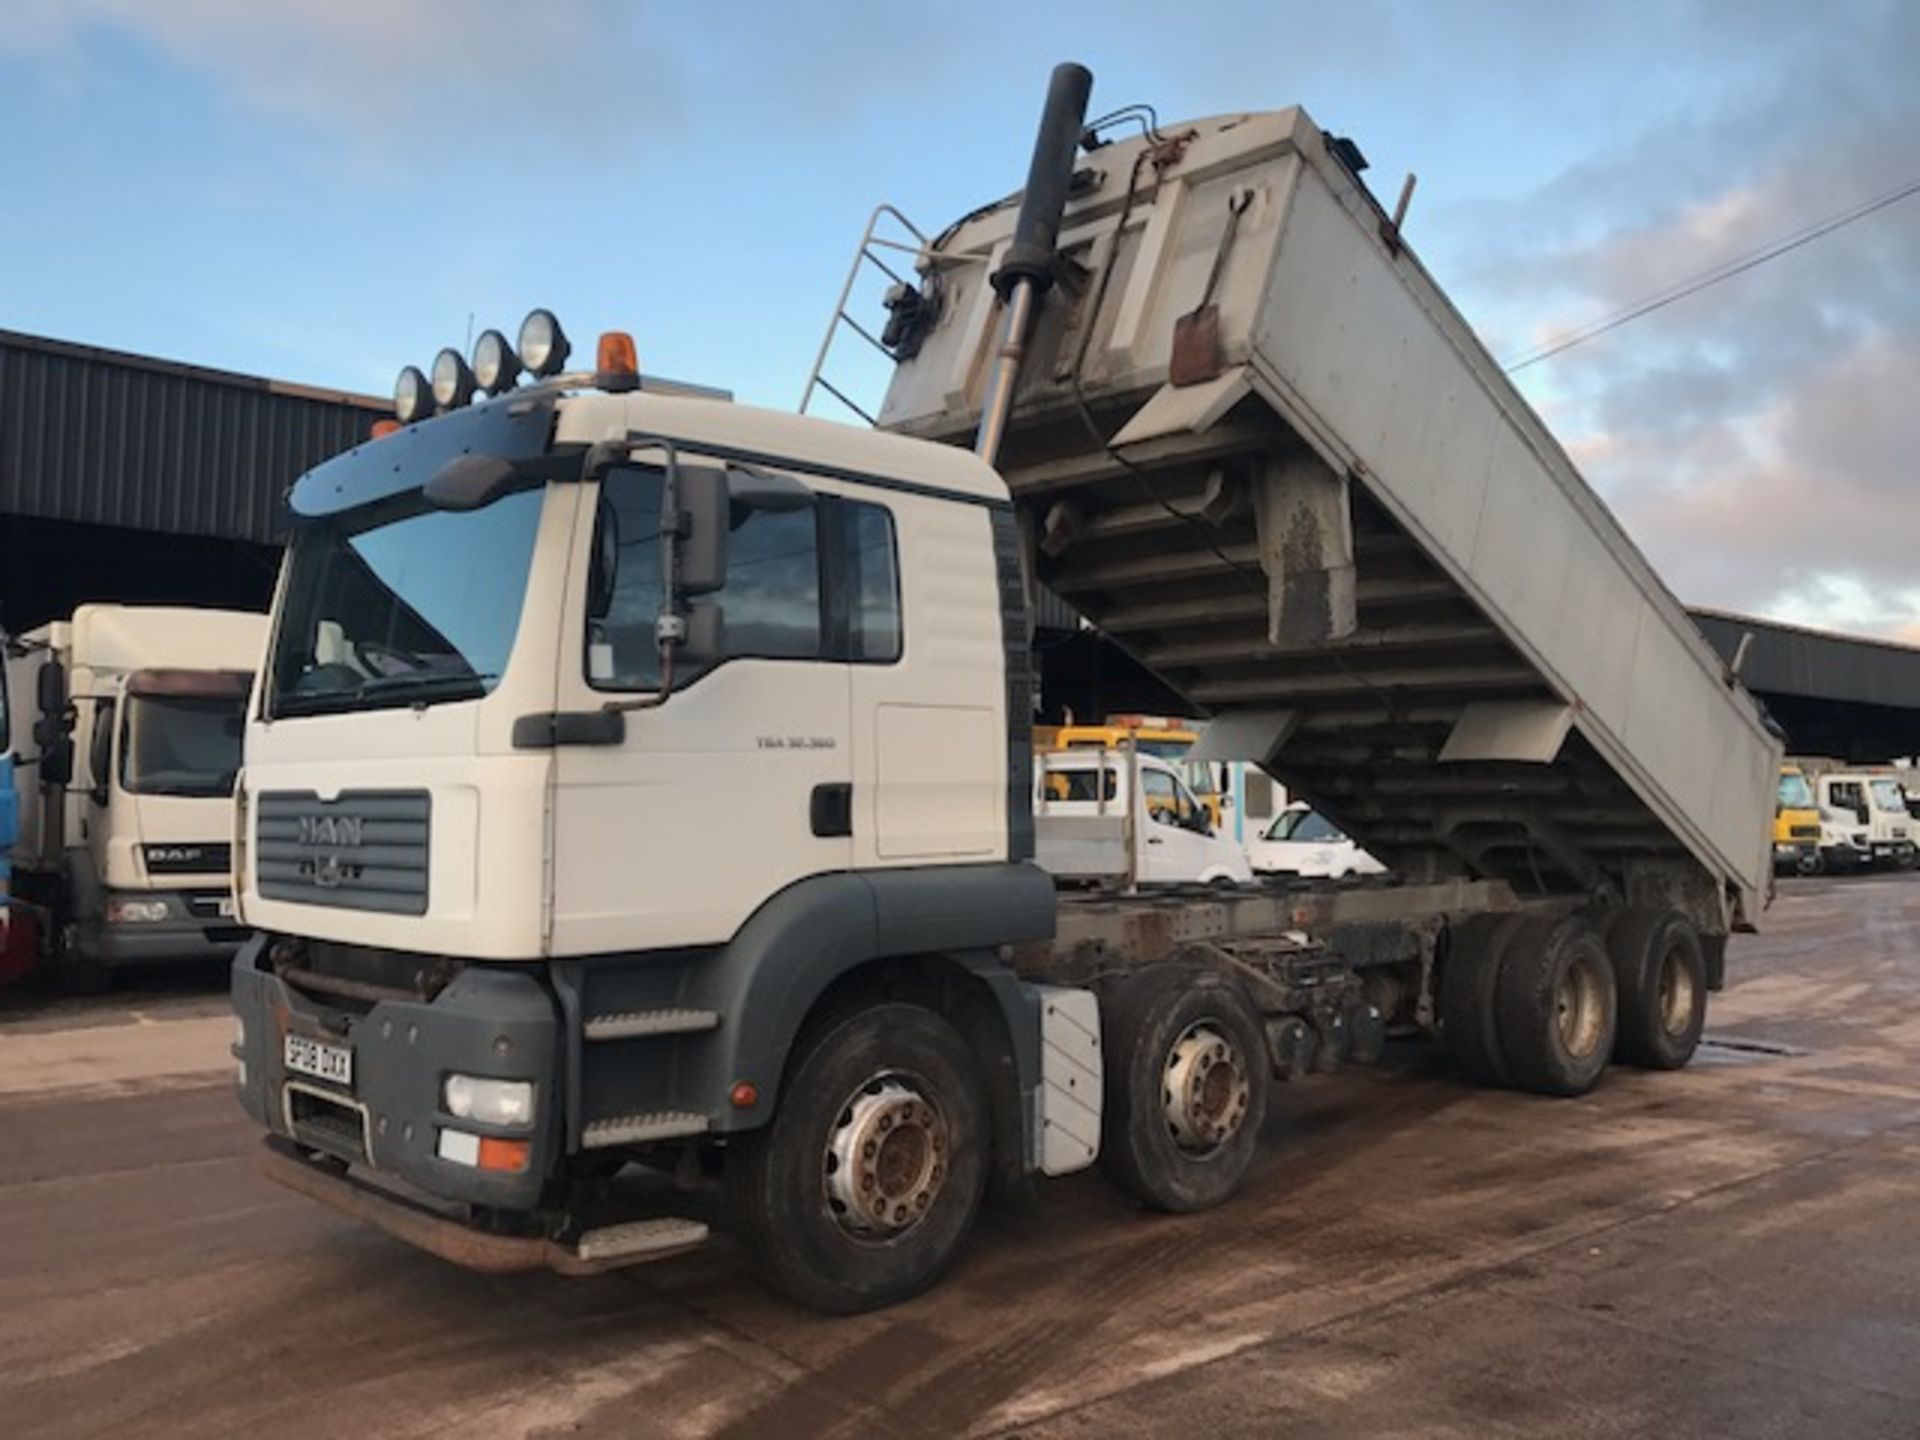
(526, 994)
(126, 724)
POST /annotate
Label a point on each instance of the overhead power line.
(1725, 270)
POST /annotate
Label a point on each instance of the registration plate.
(320, 1060)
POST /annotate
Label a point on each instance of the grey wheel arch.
(817, 933)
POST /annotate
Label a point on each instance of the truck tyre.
(1556, 1005)
(861, 1190)
(1660, 971)
(1469, 992)
(1185, 1086)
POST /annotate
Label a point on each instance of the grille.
(188, 859)
(366, 850)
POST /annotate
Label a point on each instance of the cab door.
(736, 786)
(1173, 852)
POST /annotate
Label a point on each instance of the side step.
(639, 1240)
(638, 1129)
(629, 1024)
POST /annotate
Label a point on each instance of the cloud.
(1757, 438)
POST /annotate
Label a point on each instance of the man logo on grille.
(339, 831)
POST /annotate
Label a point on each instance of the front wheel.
(1186, 1087)
(861, 1191)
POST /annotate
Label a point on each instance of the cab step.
(639, 1240)
(630, 1024)
(639, 1129)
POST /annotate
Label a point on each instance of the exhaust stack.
(1027, 272)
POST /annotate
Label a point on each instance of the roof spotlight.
(452, 380)
(495, 366)
(543, 344)
(412, 397)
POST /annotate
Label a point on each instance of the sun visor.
(191, 684)
(515, 427)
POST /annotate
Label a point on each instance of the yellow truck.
(1796, 823)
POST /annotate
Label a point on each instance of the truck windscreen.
(414, 609)
(181, 744)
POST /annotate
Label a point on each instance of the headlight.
(492, 1102)
(239, 1032)
(495, 366)
(124, 912)
(543, 344)
(452, 380)
(412, 396)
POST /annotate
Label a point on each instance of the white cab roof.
(805, 440)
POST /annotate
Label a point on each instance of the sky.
(325, 190)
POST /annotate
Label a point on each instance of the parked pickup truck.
(1127, 817)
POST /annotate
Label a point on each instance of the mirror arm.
(671, 628)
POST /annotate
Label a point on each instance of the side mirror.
(56, 758)
(706, 639)
(702, 525)
(99, 795)
(50, 689)
(1861, 813)
(469, 482)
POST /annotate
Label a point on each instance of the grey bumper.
(493, 1023)
(186, 934)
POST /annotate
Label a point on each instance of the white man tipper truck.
(534, 655)
(126, 724)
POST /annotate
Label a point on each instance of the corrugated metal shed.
(106, 438)
(1817, 664)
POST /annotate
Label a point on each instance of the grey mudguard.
(810, 934)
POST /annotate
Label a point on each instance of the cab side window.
(1163, 796)
(872, 570)
(819, 583)
(100, 745)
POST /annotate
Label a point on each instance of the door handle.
(1155, 840)
(830, 810)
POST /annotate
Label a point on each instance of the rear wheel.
(860, 1192)
(1556, 1006)
(1660, 970)
(1186, 1087)
(1469, 992)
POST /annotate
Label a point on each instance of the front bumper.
(492, 1022)
(1795, 855)
(192, 930)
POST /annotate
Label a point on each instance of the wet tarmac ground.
(1733, 1250)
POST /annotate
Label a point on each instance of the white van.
(1302, 841)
